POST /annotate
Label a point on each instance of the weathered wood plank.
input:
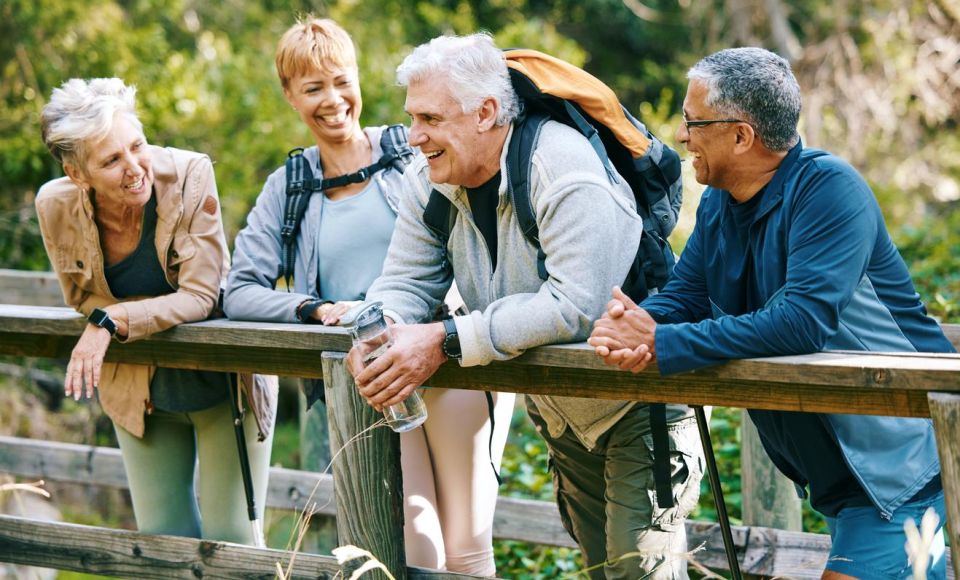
(366, 470)
(953, 334)
(127, 554)
(769, 498)
(945, 410)
(864, 383)
(30, 288)
(768, 551)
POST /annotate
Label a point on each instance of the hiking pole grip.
(714, 476)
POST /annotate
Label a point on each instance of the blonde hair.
(81, 113)
(313, 43)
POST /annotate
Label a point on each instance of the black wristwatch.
(451, 342)
(100, 318)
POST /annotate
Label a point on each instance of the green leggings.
(161, 468)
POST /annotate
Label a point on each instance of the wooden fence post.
(315, 456)
(366, 473)
(945, 410)
(769, 497)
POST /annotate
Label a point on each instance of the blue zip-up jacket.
(829, 277)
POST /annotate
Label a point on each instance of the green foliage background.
(206, 82)
(878, 77)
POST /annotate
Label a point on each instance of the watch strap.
(451, 341)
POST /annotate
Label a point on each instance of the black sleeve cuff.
(307, 308)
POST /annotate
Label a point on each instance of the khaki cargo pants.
(608, 502)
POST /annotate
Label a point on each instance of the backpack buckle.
(296, 187)
(363, 174)
(286, 231)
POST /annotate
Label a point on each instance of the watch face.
(97, 316)
(100, 318)
(451, 342)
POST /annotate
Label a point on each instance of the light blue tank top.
(352, 244)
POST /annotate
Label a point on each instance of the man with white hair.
(790, 255)
(462, 108)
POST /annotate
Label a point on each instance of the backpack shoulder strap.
(526, 133)
(397, 154)
(438, 217)
(299, 187)
(395, 144)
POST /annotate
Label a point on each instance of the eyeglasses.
(704, 123)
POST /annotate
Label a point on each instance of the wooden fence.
(368, 502)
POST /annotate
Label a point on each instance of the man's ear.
(487, 114)
(76, 176)
(745, 138)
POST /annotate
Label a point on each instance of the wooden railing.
(368, 502)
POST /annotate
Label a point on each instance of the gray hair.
(81, 113)
(474, 68)
(756, 86)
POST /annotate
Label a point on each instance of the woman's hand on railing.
(329, 314)
(86, 360)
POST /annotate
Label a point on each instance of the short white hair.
(82, 112)
(474, 68)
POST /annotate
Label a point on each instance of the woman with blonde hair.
(449, 486)
(134, 234)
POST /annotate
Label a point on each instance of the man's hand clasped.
(408, 363)
(625, 335)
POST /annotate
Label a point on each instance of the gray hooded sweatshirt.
(589, 231)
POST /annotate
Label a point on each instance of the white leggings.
(449, 487)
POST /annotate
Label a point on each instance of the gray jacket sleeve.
(413, 282)
(589, 234)
(250, 293)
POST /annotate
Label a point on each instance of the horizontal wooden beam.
(25, 287)
(127, 554)
(763, 550)
(837, 382)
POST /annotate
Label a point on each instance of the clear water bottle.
(372, 336)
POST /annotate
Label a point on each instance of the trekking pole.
(714, 477)
(258, 539)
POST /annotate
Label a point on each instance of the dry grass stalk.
(688, 556)
(310, 508)
(35, 487)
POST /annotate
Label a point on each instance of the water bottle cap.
(370, 312)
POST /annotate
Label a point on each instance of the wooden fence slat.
(127, 554)
(945, 410)
(33, 288)
(863, 383)
(769, 498)
(366, 470)
(765, 550)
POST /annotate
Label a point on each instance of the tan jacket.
(193, 253)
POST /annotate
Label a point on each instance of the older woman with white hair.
(134, 234)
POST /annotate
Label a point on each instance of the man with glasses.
(790, 255)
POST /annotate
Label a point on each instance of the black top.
(483, 204)
(743, 216)
(140, 274)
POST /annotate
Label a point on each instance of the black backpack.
(301, 185)
(552, 89)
